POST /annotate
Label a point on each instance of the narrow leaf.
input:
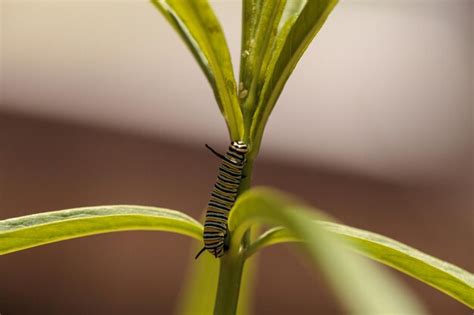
(198, 295)
(362, 286)
(250, 14)
(447, 278)
(48, 227)
(257, 50)
(198, 26)
(296, 31)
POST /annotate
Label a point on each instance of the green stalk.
(232, 264)
(228, 288)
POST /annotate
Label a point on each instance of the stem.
(230, 277)
(232, 264)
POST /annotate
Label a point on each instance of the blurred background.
(101, 103)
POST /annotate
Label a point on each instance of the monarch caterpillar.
(223, 197)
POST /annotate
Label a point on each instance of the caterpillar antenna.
(215, 152)
(200, 252)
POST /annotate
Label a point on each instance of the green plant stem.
(228, 289)
(232, 264)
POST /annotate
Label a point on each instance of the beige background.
(386, 89)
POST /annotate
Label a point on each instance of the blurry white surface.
(385, 89)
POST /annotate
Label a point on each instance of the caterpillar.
(223, 198)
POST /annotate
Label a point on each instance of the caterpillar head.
(240, 146)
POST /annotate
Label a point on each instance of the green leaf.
(250, 13)
(361, 285)
(198, 26)
(256, 49)
(247, 286)
(199, 292)
(48, 227)
(447, 278)
(300, 23)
